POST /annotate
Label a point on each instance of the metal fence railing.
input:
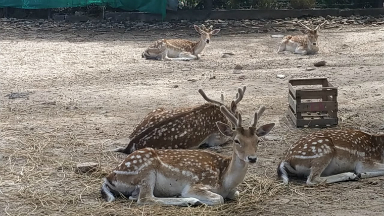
(278, 4)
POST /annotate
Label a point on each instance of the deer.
(188, 177)
(301, 44)
(334, 156)
(180, 49)
(185, 128)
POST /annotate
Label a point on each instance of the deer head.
(312, 33)
(206, 33)
(245, 139)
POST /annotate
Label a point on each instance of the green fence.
(151, 6)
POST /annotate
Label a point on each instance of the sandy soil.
(84, 90)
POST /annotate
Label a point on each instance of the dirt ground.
(79, 91)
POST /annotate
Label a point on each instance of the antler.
(321, 25)
(210, 100)
(205, 28)
(240, 94)
(235, 121)
(257, 116)
(304, 26)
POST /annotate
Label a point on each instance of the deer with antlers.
(186, 128)
(301, 44)
(334, 156)
(180, 49)
(188, 177)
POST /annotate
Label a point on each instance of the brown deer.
(334, 156)
(180, 49)
(186, 128)
(301, 44)
(194, 176)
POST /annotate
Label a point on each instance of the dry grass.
(49, 185)
(35, 181)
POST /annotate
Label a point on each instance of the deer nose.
(207, 41)
(314, 44)
(252, 159)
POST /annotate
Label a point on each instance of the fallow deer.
(188, 177)
(186, 128)
(301, 44)
(180, 49)
(334, 156)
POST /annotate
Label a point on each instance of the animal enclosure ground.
(67, 96)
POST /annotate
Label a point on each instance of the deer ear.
(264, 130)
(215, 31)
(225, 129)
(197, 28)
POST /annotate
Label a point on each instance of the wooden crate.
(312, 106)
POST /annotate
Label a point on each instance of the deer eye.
(237, 142)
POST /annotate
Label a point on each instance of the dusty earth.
(67, 96)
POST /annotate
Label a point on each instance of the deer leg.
(185, 56)
(202, 193)
(369, 171)
(301, 50)
(233, 194)
(281, 47)
(146, 196)
(321, 164)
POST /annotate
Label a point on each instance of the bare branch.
(208, 99)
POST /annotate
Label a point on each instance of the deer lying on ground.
(182, 128)
(180, 49)
(196, 176)
(301, 44)
(334, 156)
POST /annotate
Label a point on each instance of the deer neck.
(199, 46)
(235, 172)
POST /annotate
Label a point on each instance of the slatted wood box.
(312, 102)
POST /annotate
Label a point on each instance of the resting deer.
(195, 176)
(186, 128)
(334, 156)
(180, 49)
(301, 44)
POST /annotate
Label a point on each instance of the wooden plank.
(316, 106)
(292, 116)
(306, 81)
(292, 90)
(316, 94)
(312, 115)
(317, 122)
(292, 103)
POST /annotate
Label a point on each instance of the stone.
(238, 67)
(319, 63)
(309, 69)
(87, 167)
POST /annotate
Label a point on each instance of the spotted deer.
(334, 156)
(301, 44)
(180, 49)
(186, 128)
(186, 177)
